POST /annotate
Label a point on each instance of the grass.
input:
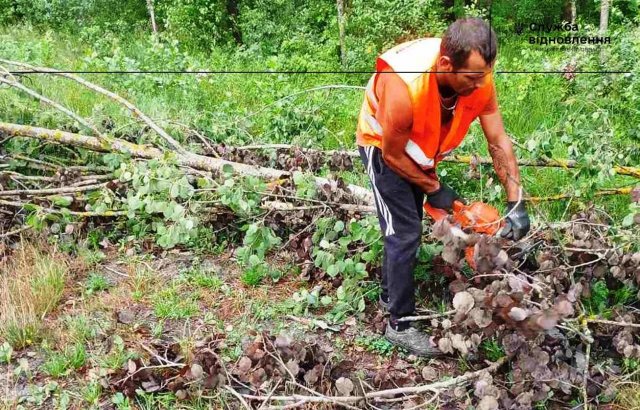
(96, 282)
(31, 286)
(171, 303)
(61, 363)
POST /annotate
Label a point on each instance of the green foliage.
(344, 251)
(91, 393)
(304, 301)
(374, 26)
(61, 363)
(305, 185)
(602, 298)
(203, 24)
(202, 278)
(241, 195)
(117, 357)
(121, 401)
(69, 14)
(492, 349)
(630, 365)
(258, 241)
(376, 344)
(96, 282)
(5, 353)
(173, 304)
(598, 301)
(157, 202)
(426, 253)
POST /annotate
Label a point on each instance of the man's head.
(467, 53)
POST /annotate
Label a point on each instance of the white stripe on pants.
(384, 209)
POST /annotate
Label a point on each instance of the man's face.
(469, 77)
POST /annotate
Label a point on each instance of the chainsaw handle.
(438, 213)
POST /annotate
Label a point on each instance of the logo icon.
(519, 28)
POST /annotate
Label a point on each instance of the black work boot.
(408, 337)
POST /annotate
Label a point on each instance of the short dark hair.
(465, 36)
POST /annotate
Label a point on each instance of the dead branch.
(613, 323)
(50, 191)
(60, 211)
(113, 96)
(602, 192)
(15, 231)
(427, 317)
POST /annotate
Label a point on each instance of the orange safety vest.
(413, 62)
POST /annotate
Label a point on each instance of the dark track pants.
(399, 206)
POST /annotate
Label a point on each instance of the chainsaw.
(479, 217)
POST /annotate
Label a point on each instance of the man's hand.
(517, 222)
(443, 197)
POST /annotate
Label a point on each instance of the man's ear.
(445, 64)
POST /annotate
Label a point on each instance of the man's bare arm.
(396, 118)
(501, 150)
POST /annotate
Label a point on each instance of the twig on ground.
(426, 317)
(238, 396)
(66, 211)
(585, 374)
(50, 191)
(15, 231)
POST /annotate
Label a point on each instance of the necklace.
(453, 107)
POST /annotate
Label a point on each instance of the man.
(417, 108)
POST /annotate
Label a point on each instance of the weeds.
(96, 283)
(30, 287)
(172, 304)
(61, 363)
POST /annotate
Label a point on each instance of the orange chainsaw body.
(477, 216)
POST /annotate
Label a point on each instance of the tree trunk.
(152, 15)
(604, 25)
(343, 51)
(604, 16)
(573, 11)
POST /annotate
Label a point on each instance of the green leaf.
(227, 169)
(332, 270)
(60, 200)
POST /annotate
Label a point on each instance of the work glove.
(443, 197)
(516, 223)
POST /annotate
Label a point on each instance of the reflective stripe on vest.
(371, 95)
(415, 152)
(373, 123)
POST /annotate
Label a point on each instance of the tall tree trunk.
(343, 50)
(604, 25)
(604, 16)
(152, 15)
(573, 11)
